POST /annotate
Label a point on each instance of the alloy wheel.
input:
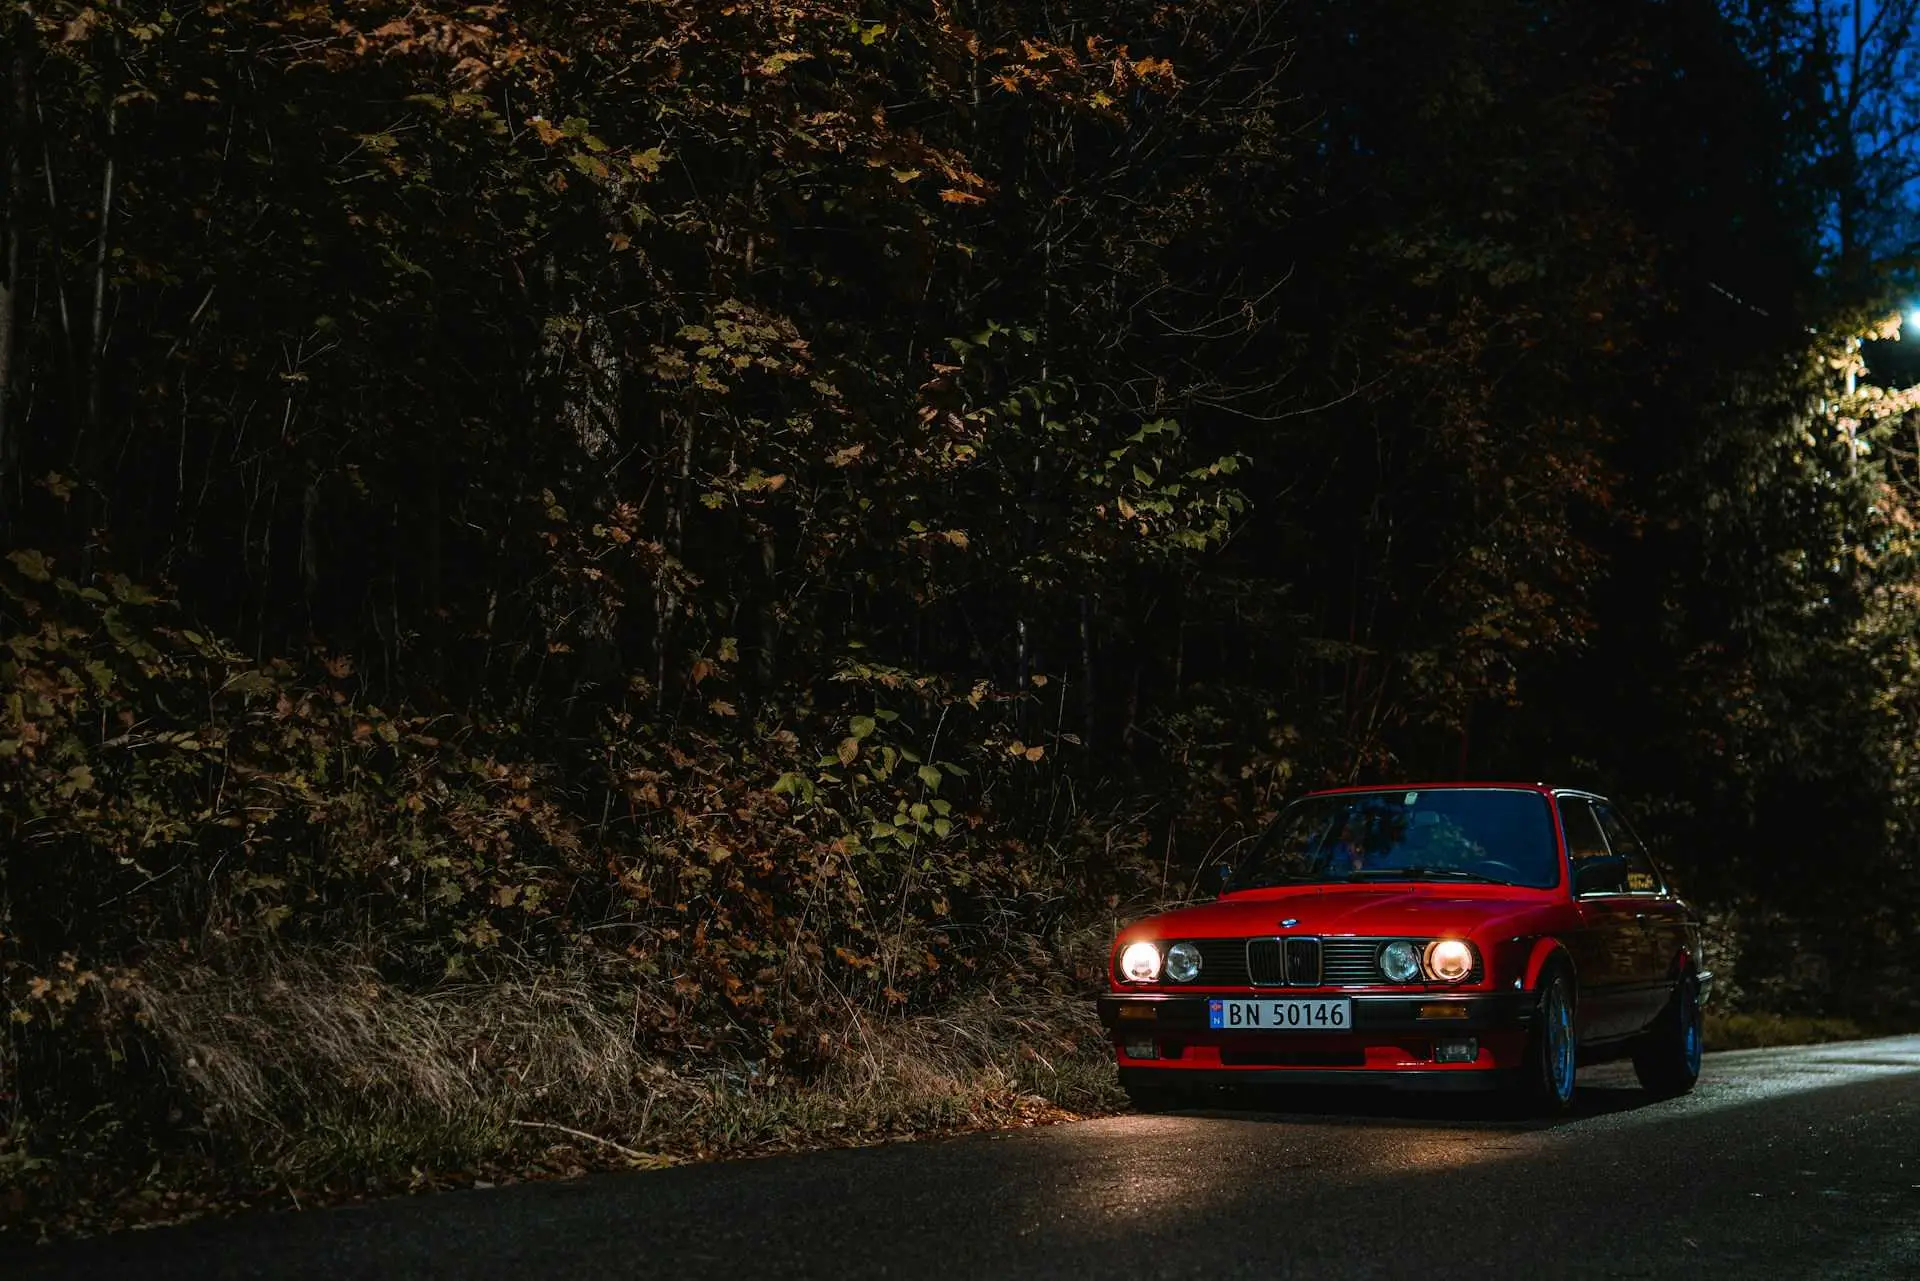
(1559, 1047)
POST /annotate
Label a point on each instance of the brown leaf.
(82, 25)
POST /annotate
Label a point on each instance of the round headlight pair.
(1183, 962)
(1400, 962)
(1447, 960)
(1141, 962)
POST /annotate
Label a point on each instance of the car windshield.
(1500, 836)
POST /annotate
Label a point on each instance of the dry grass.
(313, 1072)
(1747, 1031)
(315, 1078)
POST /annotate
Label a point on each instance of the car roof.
(1545, 789)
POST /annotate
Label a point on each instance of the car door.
(1662, 920)
(1607, 944)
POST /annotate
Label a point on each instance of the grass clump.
(299, 1076)
(1744, 1030)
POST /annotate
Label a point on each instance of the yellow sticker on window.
(1640, 881)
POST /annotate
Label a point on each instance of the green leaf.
(931, 777)
(32, 564)
(774, 65)
(861, 726)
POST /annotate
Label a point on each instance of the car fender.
(1682, 964)
(1542, 953)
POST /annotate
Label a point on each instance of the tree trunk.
(666, 600)
(769, 614)
(97, 333)
(1088, 703)
(14, 214)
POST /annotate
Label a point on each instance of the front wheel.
(1667, 1060)
(1552, 1051)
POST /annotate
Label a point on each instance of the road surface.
(1784, 1163)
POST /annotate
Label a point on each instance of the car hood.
(1423, 909)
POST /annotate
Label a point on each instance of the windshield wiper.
(1425, 873)
(1266, 882)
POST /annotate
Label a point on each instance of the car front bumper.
(1447, 1080)
(1393, 1041)
(1383, 1014)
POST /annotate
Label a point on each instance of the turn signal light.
(1448, 1011)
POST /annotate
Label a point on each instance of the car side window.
(1642, 876)
(1596, 868)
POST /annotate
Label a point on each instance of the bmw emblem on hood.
(1290, 922)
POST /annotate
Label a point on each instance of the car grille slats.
(1351, 961)
(1223, 962)
(1303, 961)
(1265, 965)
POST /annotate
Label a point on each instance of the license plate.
(1280, 1016)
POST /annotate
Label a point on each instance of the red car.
(1449, 935)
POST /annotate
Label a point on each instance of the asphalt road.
(1784, 1163)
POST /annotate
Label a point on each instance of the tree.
(1848, 72)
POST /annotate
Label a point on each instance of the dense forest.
(776, 516)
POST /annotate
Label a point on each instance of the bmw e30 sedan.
(1449, 935)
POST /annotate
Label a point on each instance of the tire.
(1667, 1059)
(1547, 1079)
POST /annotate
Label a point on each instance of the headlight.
(1400, 962)
(1449, 960)
(1140, 963)
(1183, 962)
